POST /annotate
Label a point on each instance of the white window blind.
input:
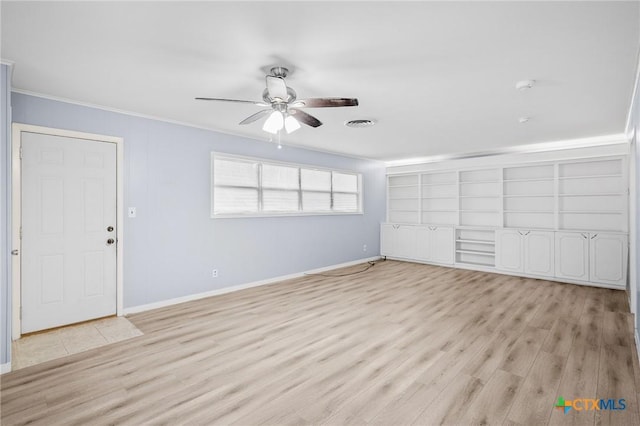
(245, 187)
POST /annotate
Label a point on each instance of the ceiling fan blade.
(325, 102)
(233, 100)
(277, 88)
(257, 116)
(305, 118)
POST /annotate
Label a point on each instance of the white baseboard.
(5, 368)
(169, 302)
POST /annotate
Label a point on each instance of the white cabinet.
(530, 252)
(418, 242)
(441, 244)
(509, 250)
(572, 255)
(598, 257)
(538, 253)
(608, 258)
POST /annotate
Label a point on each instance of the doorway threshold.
(56, 343)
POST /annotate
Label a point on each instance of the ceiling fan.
(284, 107)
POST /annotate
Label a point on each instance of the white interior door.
(68, 230)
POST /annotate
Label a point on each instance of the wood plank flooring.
(401, 343)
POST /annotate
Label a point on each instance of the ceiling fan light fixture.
(291, 124)
(274, 123)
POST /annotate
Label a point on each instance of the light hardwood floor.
(402, 343)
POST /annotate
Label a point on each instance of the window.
(250, 187)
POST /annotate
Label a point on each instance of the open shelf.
(459, 240)
(478, 252)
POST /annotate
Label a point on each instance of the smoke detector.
(525, 84)
(522, 120)
(360, 123)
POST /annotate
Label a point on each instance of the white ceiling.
(439, 77)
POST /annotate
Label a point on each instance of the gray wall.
(5, 170)
(173, 244)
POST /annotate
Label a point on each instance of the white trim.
(5, 368)
(268, 281)
(184, 123)
(494, 270)
(299, 166)
(520, 149)
(16, 214)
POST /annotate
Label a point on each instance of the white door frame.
(16, 211)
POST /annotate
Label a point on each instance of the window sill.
(252, 215)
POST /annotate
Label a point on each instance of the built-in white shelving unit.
(476, 247)
(480, 197)
(528, 196)
(592, 195)
(439, 194)
(404, 199)
(564, 219)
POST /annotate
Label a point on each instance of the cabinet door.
(387, 240)
(572, 255)
(423, 243)
(509, 250)
(442, 244)
(538, 253)
(406, 241)
(608, 258)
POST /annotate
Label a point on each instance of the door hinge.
(20, 152)
(20, 312)
(21, 232)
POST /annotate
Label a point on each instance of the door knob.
(110, 241)
(110, 228)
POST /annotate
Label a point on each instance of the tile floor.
(41, 347)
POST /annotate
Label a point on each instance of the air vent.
(359, 123)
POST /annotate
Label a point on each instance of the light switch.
(132, 212)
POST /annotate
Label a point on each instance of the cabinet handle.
(527, 233)
(585, 236)
(593, 236)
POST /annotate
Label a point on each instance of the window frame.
(260, 188)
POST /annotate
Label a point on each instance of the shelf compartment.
(403, 180)
(492, 175)
(492, 243)
(615, 203)
(525, 204)
(439, 191)
(439, 218)
(440, 204)
(403, 217)
(528, 187)
(538, 220)
(592, 185)
(523, 173)
(593, 221)
(590, 168)
(475, 259)
(480, 204)
(478, 252)
(477, 218)
(439, 178)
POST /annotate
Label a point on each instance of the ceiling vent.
(360, 123)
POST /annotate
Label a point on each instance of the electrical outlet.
(214, 273)
(364, 247)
